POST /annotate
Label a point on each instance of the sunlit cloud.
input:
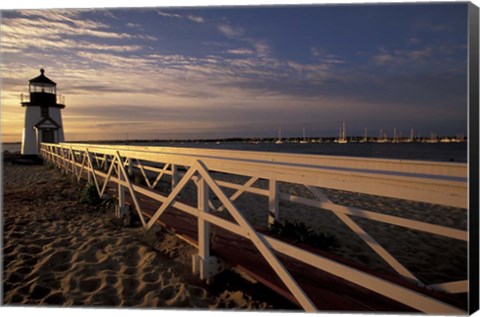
(240, 51)
(230, 31)
(195, 18)
(135, 26)
(191, 17)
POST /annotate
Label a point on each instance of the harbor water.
(443, 152)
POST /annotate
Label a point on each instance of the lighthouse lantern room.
(43, 120)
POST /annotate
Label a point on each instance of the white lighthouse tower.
(43, 120)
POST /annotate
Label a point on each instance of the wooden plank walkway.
(328, 292)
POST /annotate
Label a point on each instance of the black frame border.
(473, 142)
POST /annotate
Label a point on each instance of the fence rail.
(429, 182)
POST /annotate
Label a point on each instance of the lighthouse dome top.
(42, 84)
(42, 79)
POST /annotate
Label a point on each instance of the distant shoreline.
(452, 151)
(241, 139)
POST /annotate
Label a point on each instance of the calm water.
(446, 152)
(11, 147)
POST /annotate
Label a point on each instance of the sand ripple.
(60, 252)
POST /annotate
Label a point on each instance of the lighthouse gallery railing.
(430, 182)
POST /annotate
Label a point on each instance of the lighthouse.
(43, 120)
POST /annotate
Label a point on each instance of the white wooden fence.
(430, 182)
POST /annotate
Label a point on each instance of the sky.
(163, 73)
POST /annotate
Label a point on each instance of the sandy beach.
(61, 252)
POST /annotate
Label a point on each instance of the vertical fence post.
(89, 159)
(74, 160)
(130, 167)
(203, 229)
(59, 157)
(89, 162)
(55, 159)
(106, 162)
(121, 188)
(273, 214)
(64, 159)
(174, 176)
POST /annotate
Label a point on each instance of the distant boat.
(433, 138)
(342, 139)
(304, 141)
(458, 138)
(365, 138)
(410, 139)
(382, 138)
(445, 140)
(395, 136)
(279, 141)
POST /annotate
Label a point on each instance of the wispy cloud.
(170, 15)
(262, 48)
(59, 30)
(135, 26)
(259, 46)
(191, 17)
(325, 56)
(385, 57)
(230, 31)
(241, 51)
(195, 18)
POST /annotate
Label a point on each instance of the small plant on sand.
(90, 195)
(150, 237)
(300, 232)
(138, 179)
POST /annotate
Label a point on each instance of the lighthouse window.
(42, 88)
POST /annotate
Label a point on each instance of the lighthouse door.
(48, 136)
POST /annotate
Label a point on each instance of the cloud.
(414, 41)
(325, 56)
(383, 58)
(417, 55)
(194, 18)
(229, 31)
(191, 17)
(262, 48)
(170, 15)
(60, 29)
(240, 51)
(259, 46)
(401, 56)
(135, 26)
